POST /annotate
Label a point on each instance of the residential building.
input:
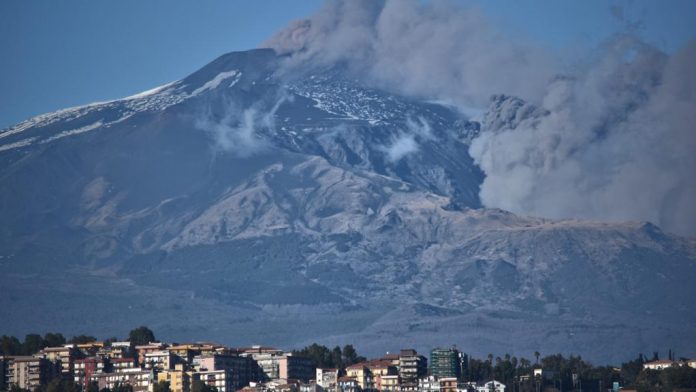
(380, 368)
(186, 352)
(428, 384)
(141, 380)
(310, 387)
(241, 368)
(179, 379)
(445, 362)
(360, 373)
(63, 356)
(491, 386)
(393, 359)
(275, 365)
(448, 384)
(390, 383)
(148, 348)
(89, 349)
(293, 367)
(659, 365)
(348, 384)
(3, 373)
(412, 366)
(85, 368)
(119, 365)
(30, 372)
(220, 379)
(159, 360)
(267, 367)
(120, 350)
(327, 379)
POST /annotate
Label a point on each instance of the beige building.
(390, 383)
(64, 355)
(179, 380)
(360, 373)
(29, 372)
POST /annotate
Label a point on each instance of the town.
(143, 364)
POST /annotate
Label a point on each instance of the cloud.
(610, 137)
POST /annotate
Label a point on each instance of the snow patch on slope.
(215, 82)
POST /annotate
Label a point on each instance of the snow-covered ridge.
(118, 110)
(350, 101)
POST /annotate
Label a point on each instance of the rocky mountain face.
(247, 206)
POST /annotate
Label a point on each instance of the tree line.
(33, 343)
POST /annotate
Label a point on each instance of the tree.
(32, 344)
(162, 386)
(350, 356)
(82, 339)
(630, 370)
(10, 345)
(141, 335)
(93, 386)
(53, 340)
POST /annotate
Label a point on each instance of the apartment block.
(64, 356)
(327, 379)
(139, 379)
(241, 368)
(445, 362)
(412, 366)
(219, 379)
(85, 368)
(179, 379)
(159, 360)
(142, 350)
(30, 372)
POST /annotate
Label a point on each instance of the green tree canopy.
(53, 339)
(82, 339)
(141, 335)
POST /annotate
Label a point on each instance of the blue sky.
(56, 54)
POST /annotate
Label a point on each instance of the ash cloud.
(610, 138)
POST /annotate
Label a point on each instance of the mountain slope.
(244, 205)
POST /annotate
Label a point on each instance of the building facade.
(445, 362)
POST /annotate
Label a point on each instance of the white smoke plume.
(612, 138)
(239, 130)
(408, 141)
